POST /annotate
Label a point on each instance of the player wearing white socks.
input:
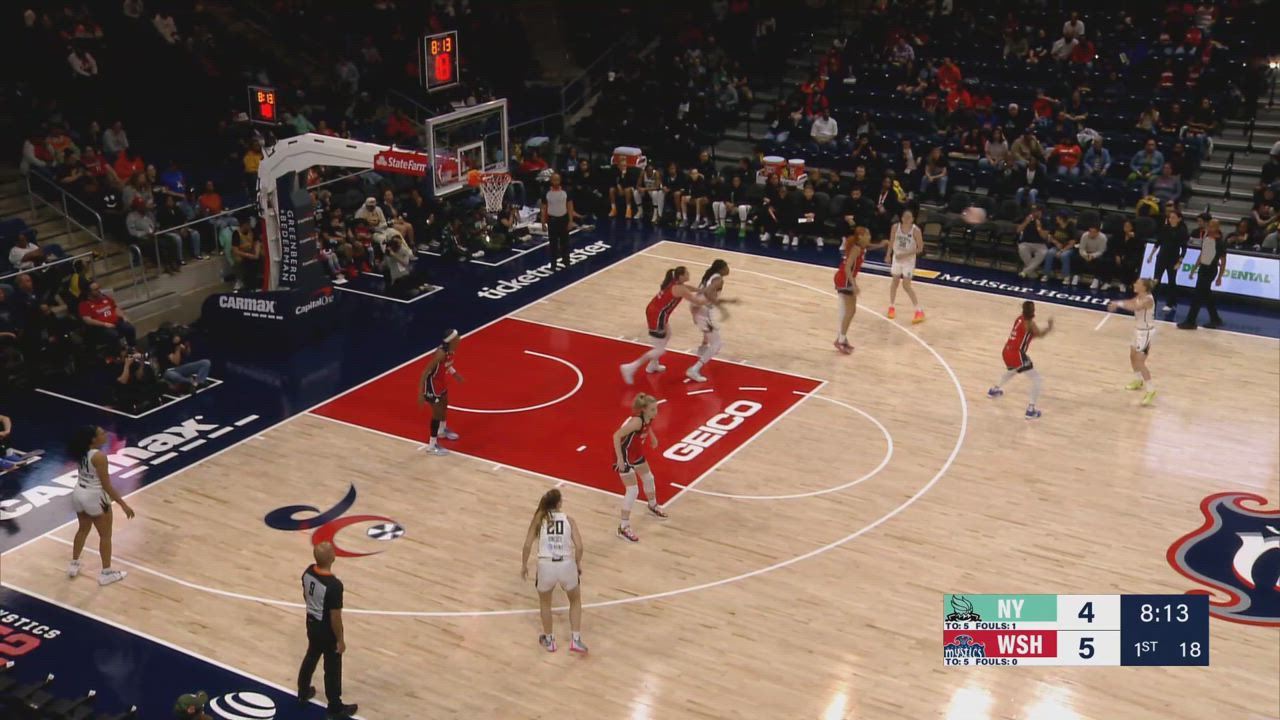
(434, 391)
(731, 198)
(658, 313)
(91, 498)
(1016, 360)
(559, 563)
(1143, 307)
(708, 315)
(906, 242)
(628, 452)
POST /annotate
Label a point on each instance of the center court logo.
(1235, 552)
(329, 523)
(506, 287)
(710, 432)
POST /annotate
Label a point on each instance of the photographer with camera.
(179, 370)
(136, 385)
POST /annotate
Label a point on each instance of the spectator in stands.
(82, 62)
(1239, 238)
(142, 229)
(824, 131)
(172, 181)
(1124, 258)
(1074, 26)
(1033, 241)
(26, 254)
(902, 54)
(186, 238)
(995, 153)
(1097, 160)
(404, 277)
(1062, 241)
(1026, 148)
(935, 174)
(1031, 181)
(374, 216)
(858, 207)
(248, 257)
(697, 200)
(810, 213)
(532, 163)
(400, 129)
(674, 185)
(165, 25)
(390, 208)
(297, 122)
(1201, 126)
(887, 207)
(1149, 120)
(35, 154)
(1147, 164)
(949, 75)
(136, 384)
(1270, 174)
(860, 179)
(59, 143)
(115, 140)
(70, 173)
(1067, 153)
(176, 365)
(250, 161)
(1264, 219)
(1091, 256)
(622, 179)
(906, 162)
(1062, 48)
(103, 319)
(1167, 188)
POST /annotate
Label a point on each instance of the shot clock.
(1075, 630)
(438, 61)
(262, 105)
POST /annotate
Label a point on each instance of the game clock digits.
(438, 61)
(262, 105)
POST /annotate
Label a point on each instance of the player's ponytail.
(717, 268)
(548, 504)
(80, 442)
(671, 276)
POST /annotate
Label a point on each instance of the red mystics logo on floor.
(547, 400)
(401, 162)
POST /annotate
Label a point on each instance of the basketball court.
(809, 547)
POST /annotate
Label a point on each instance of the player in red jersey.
(1015, 356)
(434, 390)
(853, 252)
(658, 313)
(628, 451)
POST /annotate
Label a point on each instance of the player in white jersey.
(905, 243)
(91, 498)
(1143, 306)
(708, 315)
(559, 563)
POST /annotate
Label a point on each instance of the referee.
(322, 593)
(557, 213)
(1211, 265)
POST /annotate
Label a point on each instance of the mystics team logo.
(964, 646)
(962, 610)
(1237, 553)
(329, 523)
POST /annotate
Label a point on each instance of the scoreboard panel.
(438, 61)
(1075, 630)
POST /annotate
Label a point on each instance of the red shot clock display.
(438, 61)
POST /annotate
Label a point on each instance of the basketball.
(974, 215)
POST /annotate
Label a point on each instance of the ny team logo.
(329, 523)
(962, 610)
(1236, 552)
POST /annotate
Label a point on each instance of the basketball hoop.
(493, 185)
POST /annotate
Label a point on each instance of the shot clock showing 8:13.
(1075, 630)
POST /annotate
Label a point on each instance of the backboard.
(473, 138)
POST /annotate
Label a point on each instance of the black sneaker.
(1186, 326)
(1212, 324)
(341, 712)
(304, 696)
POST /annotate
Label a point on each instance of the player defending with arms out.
(559, 563)
(1143, 307)
(707, 316)
(434, 391)
(1016, 360)
(853, 251)
(658, 313)
(628, 460)
(906, 242)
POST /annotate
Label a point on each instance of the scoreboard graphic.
(1075, 630)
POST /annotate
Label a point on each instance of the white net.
(494, 188)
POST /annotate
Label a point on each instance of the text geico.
(707, 434)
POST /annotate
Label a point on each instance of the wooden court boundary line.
(930, 283)
(330, 399)
(158, 641)
(946, 465)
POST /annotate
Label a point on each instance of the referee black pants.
(1167, 276)
(558, 237)
(1203, 296)
(321, 642)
